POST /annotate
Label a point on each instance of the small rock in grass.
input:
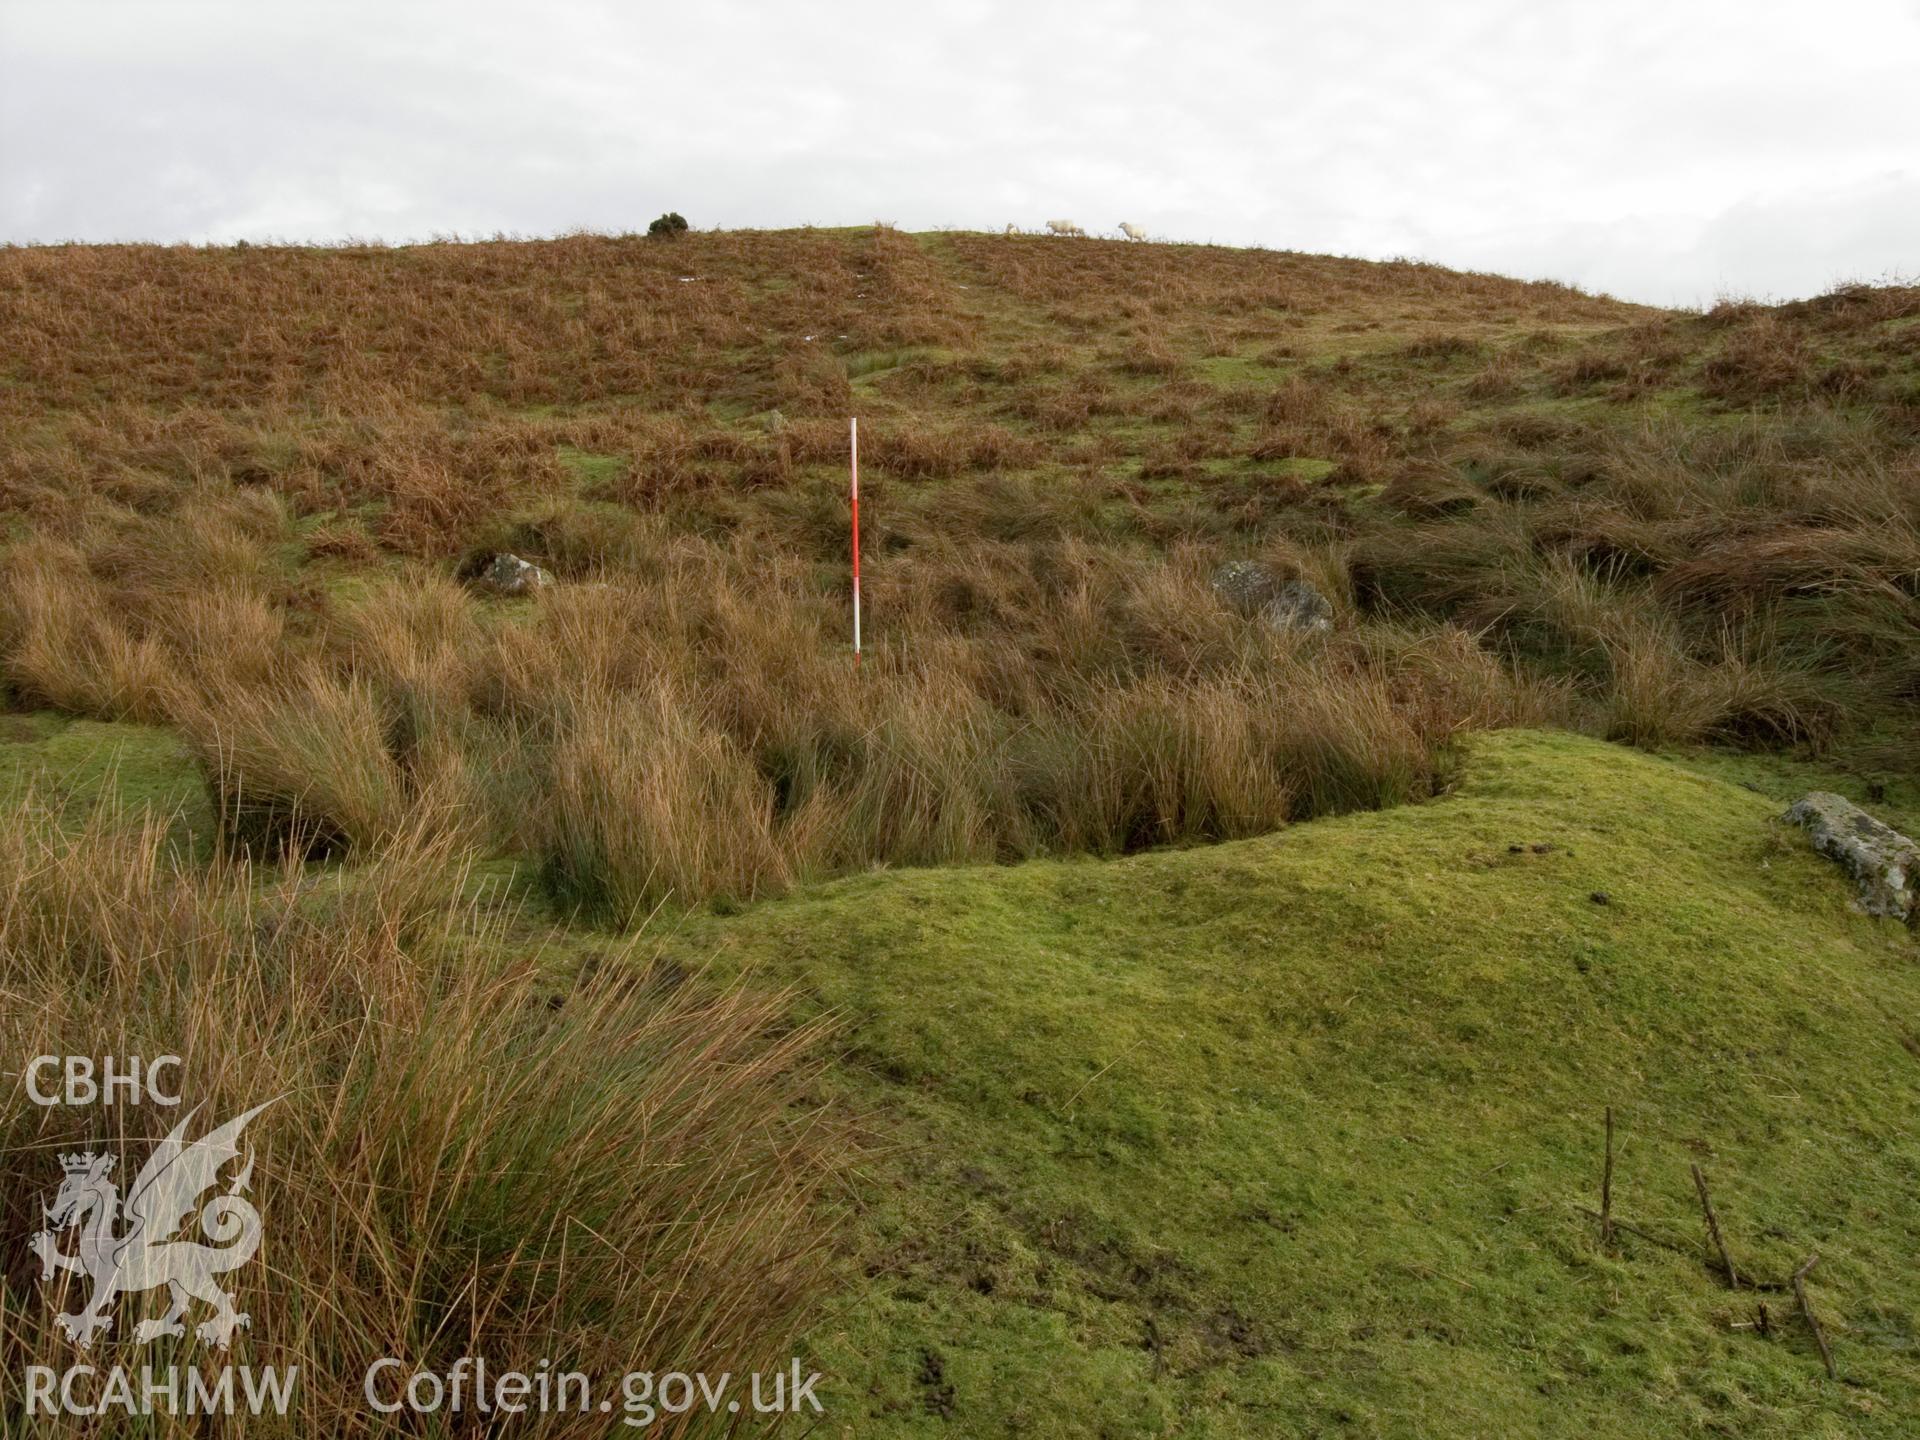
(1884, 863)
(1600, 897)
(1254, 590)
(1298, 606)
(510, 575)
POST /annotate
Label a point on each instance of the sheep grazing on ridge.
(1064, 227)
(1132, 232)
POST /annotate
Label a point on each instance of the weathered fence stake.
(1606, 1188)
(1819, 1335)
(1713, 1227)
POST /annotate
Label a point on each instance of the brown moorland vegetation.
(245, 487)
(245, 493)
(531, 1191)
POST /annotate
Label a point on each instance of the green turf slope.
(76, 766)
(1285, 1137)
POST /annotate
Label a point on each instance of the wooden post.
(1606, 1188)
(1819, 1335)
(1713, 1227)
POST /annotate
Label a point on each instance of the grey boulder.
(1884, 863)
(1255, 591)
(510, 575)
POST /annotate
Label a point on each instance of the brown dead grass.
(468, 1155)
(247, 486)
(245, 493)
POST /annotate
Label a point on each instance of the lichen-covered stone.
(1297, 606)
(1256, 591)
(510, 575)
(1884, 863)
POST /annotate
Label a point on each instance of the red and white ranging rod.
(854, 457)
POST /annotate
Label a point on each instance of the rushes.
(470, 1155)
(64, 647)
(231, 519)
(1749, 582)
(649, 796)
(689, 729)
(308, 769)
(1660, 694)
(643, 802)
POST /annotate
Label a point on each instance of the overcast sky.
(1672, 151)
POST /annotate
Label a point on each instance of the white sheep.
(1132, 232)
(1063, 227)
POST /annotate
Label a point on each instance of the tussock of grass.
(64, 649)
(467, 1156)
(642, 802)
(308, 769)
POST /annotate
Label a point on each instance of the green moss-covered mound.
(1289, 1136)
(75, 766)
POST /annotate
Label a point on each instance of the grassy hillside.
(1155, 1109)
(1697, 526)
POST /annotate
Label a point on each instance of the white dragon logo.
(151, 1253)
